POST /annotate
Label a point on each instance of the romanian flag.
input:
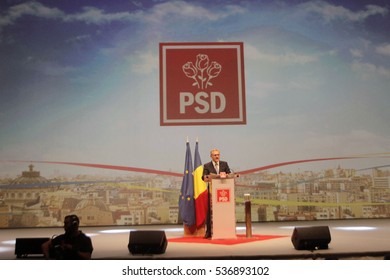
(186, 199)
(200, 190)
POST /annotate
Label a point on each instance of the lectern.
(223, 207)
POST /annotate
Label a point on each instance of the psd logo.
(202, 84)
(223, 195)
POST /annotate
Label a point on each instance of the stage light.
(356, 228)
(110, 231)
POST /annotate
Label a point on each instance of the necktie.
(217, 167)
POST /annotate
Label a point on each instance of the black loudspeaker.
(147, 242)
(311, 238)
(29, 246)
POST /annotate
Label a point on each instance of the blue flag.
(186, 200)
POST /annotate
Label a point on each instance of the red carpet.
(241, 239)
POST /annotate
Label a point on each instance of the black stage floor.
(350, 239)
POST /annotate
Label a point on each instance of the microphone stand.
(208, 223)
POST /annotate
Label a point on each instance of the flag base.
(193, 231)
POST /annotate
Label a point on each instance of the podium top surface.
(218, 176)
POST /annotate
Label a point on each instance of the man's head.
(71, 223)
(214, 154)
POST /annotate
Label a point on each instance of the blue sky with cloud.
(79, 80)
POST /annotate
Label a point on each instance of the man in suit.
(215, 166)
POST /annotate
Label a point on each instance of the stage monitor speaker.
(147, 242)
(311, 238)
(29, 246)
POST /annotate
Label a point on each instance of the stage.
(350, 239)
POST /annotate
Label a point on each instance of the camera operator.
(71, 245)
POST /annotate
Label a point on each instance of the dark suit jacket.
(208, 168)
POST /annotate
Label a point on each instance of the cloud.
(356, 53)
(89, 15)
(92, 15)
(383, 49)
(29, 8)
(348, 143)
(252, 52)
(366, 52)
(369, 69)
(331, 12)
(144, 62)
(54, 69)
(185, 10)
(290, 121)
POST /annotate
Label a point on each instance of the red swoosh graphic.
(175, 174)
(249, 171)
(106, 166)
